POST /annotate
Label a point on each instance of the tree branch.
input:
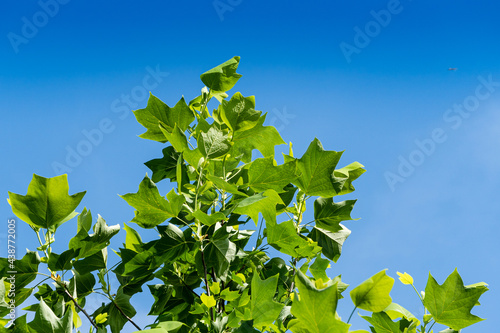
(78, 306)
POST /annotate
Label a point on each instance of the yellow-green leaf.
(209, 301)
(405, 278)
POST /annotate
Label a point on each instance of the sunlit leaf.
(373, 294)
(451, 303)
(47, 203)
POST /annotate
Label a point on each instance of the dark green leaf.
(161, 294)
(115, 319)
(328, 214)
(84, 283)
(220, 252)
(164, 167)
(26, 268)
(330, 242)
(91, 263)
(63, 261)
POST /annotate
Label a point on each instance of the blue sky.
(370, 78)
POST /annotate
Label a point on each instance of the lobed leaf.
(47, 203)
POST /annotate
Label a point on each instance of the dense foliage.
(209, 273)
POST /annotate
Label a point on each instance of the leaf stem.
(430, 328)
(40, 241)
(353, 310)
(419, 296)
(206, 280)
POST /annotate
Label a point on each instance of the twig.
(78, 306)
(123, 314)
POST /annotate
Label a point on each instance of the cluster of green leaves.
(209, 273)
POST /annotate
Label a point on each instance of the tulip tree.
(210, 268)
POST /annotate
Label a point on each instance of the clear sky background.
(380, 90)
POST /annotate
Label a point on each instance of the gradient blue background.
(395, 91)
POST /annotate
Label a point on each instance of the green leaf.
(47, 322)
(86, 245)
(170, 246)
(229, 295)
(329, 214)
(151, 208)
(264, 175)
(220, 252)
(239, 113)
(179, 141)
(164, 167)
(450, 303)
(26, 269)
(133, 240)
(91, 263)
(115, 319)
(265, 310)
(330, 242)
(395, 311)
(350, 173)
(225, 186)
(262, 138)
(382, 323)
(63, 261)
(264, 203)
(318, 268)
(161, 294)
(316, 169)
(84, 283)
(209, 220)
(158, 113)
(284, 238)
(214, 143)
(373, 294)
(222, 77)
(315, 311)
(135, 264)
(47, 203)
